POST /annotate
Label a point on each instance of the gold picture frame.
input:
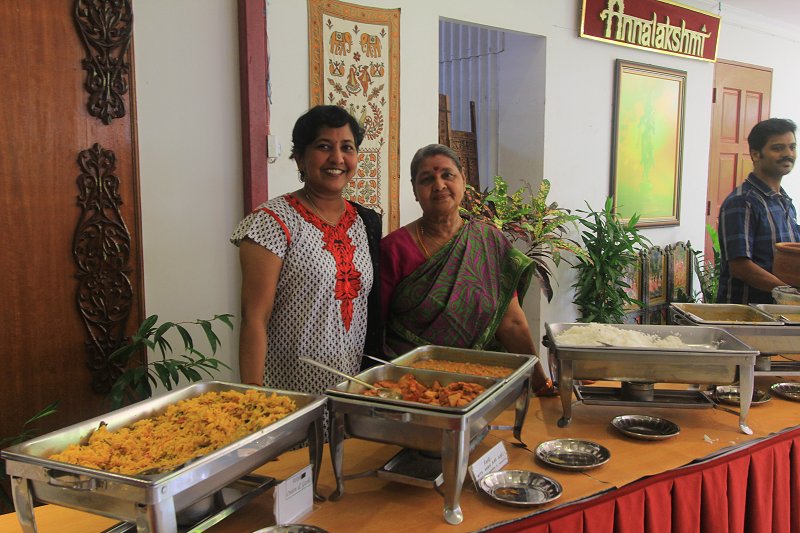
(647, 153)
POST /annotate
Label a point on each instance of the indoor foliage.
(610, 246)
(708, 269)
(527, 219)
(28, 432)
(137, 382)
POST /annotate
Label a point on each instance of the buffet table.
(737, 481)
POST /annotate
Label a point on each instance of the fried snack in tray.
(186, 429)
(456, 394)
(475, 369)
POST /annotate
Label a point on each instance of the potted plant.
(610, 249)
(528, 219)
(137, 382)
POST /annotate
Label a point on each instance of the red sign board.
(655, 25)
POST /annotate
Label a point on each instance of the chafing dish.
(789, 314)
(517, 362)
(712, 356)
(151, 502)
(443, 430)
(769, 334)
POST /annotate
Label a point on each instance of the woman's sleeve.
(265, 227)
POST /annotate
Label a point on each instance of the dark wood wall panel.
(46, 125)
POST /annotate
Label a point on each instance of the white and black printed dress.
(320, 308)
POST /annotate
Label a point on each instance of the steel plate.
(520, 487)
(787, 391)
(646, 427)
(572, 454)
(730, 395)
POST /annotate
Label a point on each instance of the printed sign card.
(294, 497)
(491, 461)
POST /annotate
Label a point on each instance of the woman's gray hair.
(430, 151)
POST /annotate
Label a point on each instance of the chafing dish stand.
(422, 427)
(712, 356)
(151, 502)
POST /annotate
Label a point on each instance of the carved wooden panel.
(105, 28)
(102, 248)
(464, 143)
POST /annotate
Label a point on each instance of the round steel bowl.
(646, 427)
(572, 454)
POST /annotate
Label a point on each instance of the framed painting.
(354, 63)
(647, 152)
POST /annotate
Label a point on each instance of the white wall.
(187, 88)
(188, 98)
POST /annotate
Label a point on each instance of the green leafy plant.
(137, 381)
(708, 269)
(610, 250)
(27, 432)
(529, 219)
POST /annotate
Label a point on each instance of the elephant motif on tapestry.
(370, 45)
(341, 43)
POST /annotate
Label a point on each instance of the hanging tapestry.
(354, 62)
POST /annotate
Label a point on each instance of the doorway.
(503, 73)
(741, 100)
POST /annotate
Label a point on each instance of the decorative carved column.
(101, 248)
(105, 28)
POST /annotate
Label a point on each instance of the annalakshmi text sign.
(656, 25)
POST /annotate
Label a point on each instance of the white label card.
(294, 497)
(491, 461)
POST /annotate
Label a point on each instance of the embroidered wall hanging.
(354, 62)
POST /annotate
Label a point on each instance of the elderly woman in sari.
(451, 281)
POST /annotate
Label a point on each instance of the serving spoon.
(382, 392)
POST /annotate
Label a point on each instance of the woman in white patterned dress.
(309, 261)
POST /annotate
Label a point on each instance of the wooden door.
(741, 100)
(71, 280)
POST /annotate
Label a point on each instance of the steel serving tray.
(726, 314)
(516, 362)
(769, 338)
(788, 314)
(151, 502)
(712, 356)
(426, 377)
(447, 431)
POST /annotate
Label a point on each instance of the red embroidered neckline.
(340, 246)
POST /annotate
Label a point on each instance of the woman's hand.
(515, 336)
(260, 271)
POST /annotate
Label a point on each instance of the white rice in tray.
(594, 334)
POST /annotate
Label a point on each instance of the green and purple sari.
(458, 297)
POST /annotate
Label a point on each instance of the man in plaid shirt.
(756, 215)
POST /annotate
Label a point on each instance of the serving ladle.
(382, 392)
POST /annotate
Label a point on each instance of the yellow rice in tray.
(187, 429)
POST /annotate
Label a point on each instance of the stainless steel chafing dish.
(151, 502)
(444, 430)
(753, 325)
(713, 356)
(516, 362)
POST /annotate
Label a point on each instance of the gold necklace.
(419, 238)
(317, 210)
(421, 232)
